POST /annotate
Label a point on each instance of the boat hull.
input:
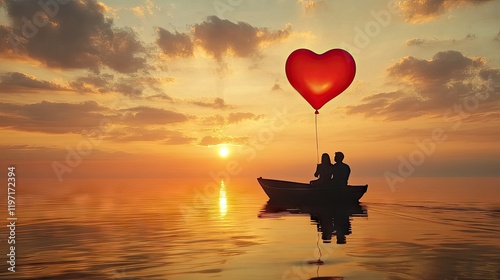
(301, 193)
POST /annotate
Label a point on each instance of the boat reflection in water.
(330, 209)
(330, 219)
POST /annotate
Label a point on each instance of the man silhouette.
(341, 171)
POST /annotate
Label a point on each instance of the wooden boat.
(302, 193)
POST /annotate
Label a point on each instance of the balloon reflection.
(222, 199)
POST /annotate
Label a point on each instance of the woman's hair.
(325, 158)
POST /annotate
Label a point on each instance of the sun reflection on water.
(222, 199)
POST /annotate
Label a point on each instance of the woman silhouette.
(324, 171)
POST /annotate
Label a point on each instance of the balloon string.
(317, 144)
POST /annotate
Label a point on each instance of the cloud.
(215, 120)
(160, 97)
(436, 42)
(80, 36)
(232, 118)
(6, 41)
(415, 42)
(131, 85)
(444, 66)
(174, 44)
(34, 154)
(276, 87)
(15, 82)
(216, 140)
(430, 87)
(148, 115)
(216, 103)
(147, 9)
(311, 5)
(51, 117)
(30, 152)
(239, 117)
(120, 51)
(141, 83)
(93, 83)
(425, 10)
(220, 37)
(177, 138)
(134, 133)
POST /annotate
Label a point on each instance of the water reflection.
(86, 229)
(222, 199)
(330, 220)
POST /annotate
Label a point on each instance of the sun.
(223, 152)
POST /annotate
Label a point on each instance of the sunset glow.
(135, 86)
(243, 139)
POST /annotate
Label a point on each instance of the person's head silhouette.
(339, 157)
(325, 159)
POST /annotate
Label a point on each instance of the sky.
(94, 89)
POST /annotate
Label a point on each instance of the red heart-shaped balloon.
(320, 77)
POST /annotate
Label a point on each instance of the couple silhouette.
(329, 174)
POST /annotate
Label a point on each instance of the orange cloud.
(311, 5)
(429, 87)
(15, 82)
(425, 10)
(59, 118)
(435, 42)
(216, 103)
(131, 85)
(241, 116)
(232, 118)
(150, 116)
(138, 133)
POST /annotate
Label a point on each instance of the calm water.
(428, 228)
